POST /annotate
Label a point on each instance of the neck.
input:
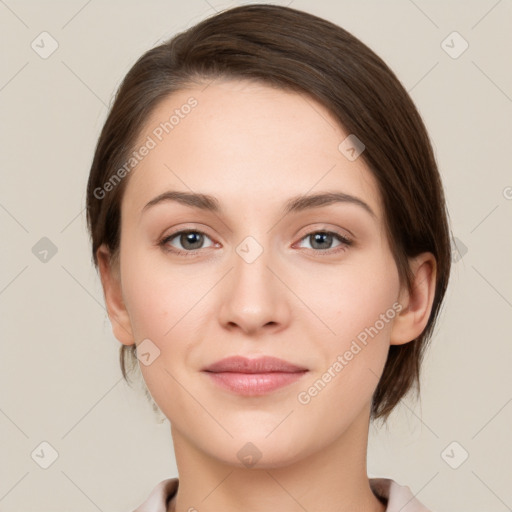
(332, 479)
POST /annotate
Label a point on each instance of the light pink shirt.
(398, 498)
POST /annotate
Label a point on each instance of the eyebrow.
(295, 204)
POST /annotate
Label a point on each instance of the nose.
(253, 295)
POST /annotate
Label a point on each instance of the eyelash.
(346, 242)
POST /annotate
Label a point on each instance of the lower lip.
(253, 384)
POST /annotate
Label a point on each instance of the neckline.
(379, 486)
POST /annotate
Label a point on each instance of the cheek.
(352, 298)
(359, 304)
(148, 308)
(166, 306)
(353, 358)
(156, 296)
(162, 309)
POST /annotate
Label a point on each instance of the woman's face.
(252, 279)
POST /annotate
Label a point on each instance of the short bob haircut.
(299, 52)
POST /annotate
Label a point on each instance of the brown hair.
(295, 51)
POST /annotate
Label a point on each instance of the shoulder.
(159, 497)
(398, 497)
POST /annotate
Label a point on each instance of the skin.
(253, 147)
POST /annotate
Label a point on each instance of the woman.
(269, 225)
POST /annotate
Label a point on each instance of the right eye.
(191, 240)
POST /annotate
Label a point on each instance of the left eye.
(322, 238)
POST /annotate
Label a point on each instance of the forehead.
(241, 140)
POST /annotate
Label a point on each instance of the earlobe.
(116, 309)
(416, 303)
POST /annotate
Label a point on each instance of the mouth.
(254, 377)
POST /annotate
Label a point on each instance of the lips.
(254, 377)
(265, 364)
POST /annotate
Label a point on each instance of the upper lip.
(265, 364)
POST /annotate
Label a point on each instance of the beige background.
(60, 379)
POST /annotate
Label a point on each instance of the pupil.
(191, 238)
(319, 237)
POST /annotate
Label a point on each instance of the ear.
(116, 309)
(416, 303)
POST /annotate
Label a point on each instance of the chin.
(256, 452)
